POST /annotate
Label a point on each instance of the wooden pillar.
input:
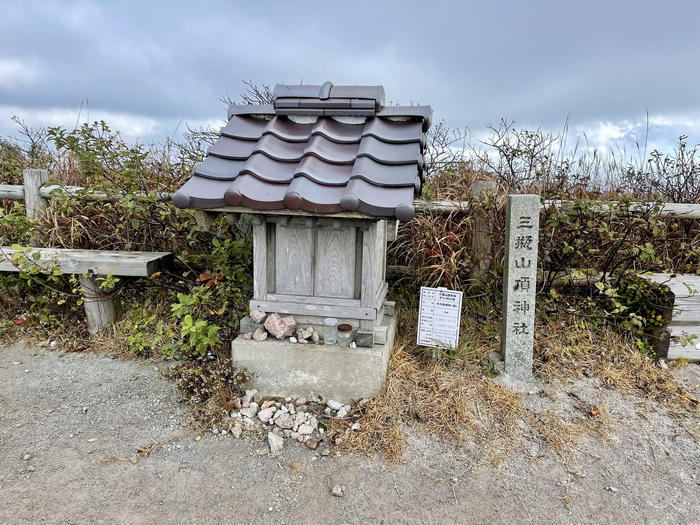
(481, 242)
(100, 310)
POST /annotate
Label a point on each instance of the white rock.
(265, 414)
(337, 491)
(305, 429)
(353, 345)
(237, 430)
(292, 339)
(355, 426)
(276, 443)
(257, 315)
(342, 412)
(313, 422)
(250, 411)
(259, 335)
(333, 405)
(663, 364)
(247, 423)
(284, 421)
(249, 396)
(304, 333)
(315, 337)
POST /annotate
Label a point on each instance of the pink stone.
(257, 315)
(280, 327)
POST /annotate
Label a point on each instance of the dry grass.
(456, 402)
(573, 351)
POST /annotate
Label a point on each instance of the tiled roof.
(323, 149)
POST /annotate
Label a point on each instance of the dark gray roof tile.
(245, 128)
(339, 132)
(263, 110)
(254, 193)
(392, 154)
(218, 169)
(322, 172)
(285, 129)
(266, 169)
(393, 132)
(307, 195)
(199, 192)
(278, 149)
(329, 151)
(425, 113)
(232, 149)
(382, 202)
(385, 175)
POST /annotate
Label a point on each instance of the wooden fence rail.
(16, 192)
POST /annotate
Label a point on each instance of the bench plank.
(99, 262)
(691, 351)
(686, 313)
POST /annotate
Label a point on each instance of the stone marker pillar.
(520, 285)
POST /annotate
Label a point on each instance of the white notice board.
(439, 316)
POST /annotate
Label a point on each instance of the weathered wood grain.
(35, 205)
(294, 260)
(260, 247)
(334, 275)
(685, 320)
(679, 336)
(99, 262)
(333, 301)
(100, 310)
(294, 308)
(13, 192)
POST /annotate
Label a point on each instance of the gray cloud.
(534, 62)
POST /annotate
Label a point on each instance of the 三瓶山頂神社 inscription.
(520, 285)
(439, 316)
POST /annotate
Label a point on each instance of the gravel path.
(60, 414)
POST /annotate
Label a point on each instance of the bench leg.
(101, 311)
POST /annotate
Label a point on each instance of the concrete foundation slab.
(281, 369)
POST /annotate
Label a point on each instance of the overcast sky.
(145, 66)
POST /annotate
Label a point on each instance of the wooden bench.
(685, 320)
(101, 310)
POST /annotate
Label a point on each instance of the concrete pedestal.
(282, 369)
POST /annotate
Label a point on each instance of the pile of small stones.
(287, 419)
(280, 328)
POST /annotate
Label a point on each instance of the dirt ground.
(61, 416)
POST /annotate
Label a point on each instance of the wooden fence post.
(35, 204)
(481, 242)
